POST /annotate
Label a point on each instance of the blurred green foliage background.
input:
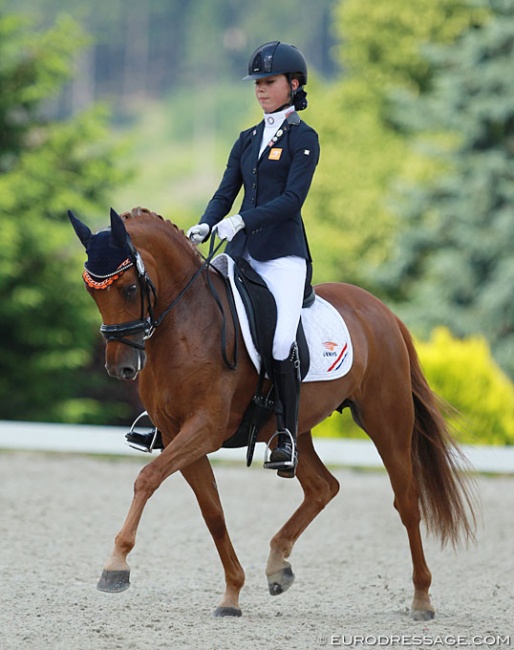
(138, 103)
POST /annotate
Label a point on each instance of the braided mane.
(139, 212)
(145, 212)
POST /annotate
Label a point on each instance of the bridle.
(147, 324)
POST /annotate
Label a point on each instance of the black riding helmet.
(277, 58)
(280, 58)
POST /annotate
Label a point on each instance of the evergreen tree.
(363, 149)
(48, 324)
(454, 263)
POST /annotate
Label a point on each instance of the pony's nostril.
(128, 372)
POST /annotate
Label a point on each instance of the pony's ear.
(82, 231)
(119, 234)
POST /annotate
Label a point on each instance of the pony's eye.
(129, 291)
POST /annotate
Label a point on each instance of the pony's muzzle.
(125, 363)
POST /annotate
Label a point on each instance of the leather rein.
(147, 325)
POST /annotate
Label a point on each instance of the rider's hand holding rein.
(199, 233)
(226, 229)
(229, 227)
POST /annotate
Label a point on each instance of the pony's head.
(116, 278)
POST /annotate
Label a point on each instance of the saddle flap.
(260, 307)
(261, 310)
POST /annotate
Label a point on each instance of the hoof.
(280, 581)
(227, 611)
(113, 582)
(422, 614)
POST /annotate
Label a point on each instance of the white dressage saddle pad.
(328, 338)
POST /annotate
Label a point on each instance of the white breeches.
(285, 278)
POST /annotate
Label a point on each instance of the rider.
(275, 162)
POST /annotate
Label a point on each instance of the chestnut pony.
(163, 325)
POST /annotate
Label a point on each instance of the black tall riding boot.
(287, 380)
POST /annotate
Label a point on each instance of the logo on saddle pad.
(336, 352)
(330, 349)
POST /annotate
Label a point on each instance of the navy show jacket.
(276, 185)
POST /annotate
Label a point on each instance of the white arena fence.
(86, 439)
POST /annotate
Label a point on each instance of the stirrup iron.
(142, 446)
(282, 464)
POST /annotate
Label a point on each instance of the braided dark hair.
(298, 96)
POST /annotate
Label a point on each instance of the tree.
(363, 149)
(149, 48)
(453, 263)
(47, 323)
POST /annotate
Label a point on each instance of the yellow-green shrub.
(464, 374)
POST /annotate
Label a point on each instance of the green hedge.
(464, 374)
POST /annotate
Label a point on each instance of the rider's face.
(274, 92)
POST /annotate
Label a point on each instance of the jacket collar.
(293, 119)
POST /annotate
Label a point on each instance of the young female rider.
(275, 162)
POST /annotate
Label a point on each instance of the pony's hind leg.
(391, 431)
(319, 487)
(406, 502)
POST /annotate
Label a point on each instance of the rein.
(148, 325)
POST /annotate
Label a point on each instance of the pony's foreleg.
(186, 453)
(319, 487)
(177, 455)
(200, 477)
(116, 571)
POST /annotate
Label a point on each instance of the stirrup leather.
(142, 446)
(281, 464)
